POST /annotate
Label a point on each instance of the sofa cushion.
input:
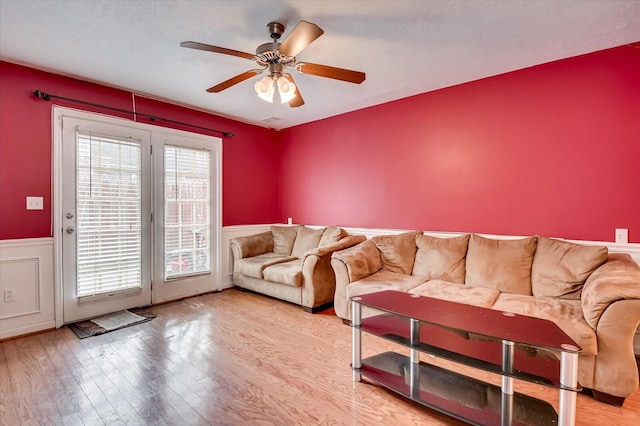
(253, 266)
(332, 234)
(504, 265)
(566, 314)
(283, 238)
(383, 280)
(461, 293)
(306, 239)
(398, 251)
(560, 268)
(441, 258)
(289, 273)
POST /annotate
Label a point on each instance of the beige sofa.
(291, 263)
(592, 295)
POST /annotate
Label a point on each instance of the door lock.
(70, 229)
(69, 215)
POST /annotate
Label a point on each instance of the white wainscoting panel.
(229, 232)
(26, 267)
(26, 298)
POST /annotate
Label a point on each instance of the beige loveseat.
(592, 295)
(291, 263)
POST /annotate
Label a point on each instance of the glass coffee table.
(513, 346)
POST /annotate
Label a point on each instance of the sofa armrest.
(360, 261)
(344, 243)
(252, 245)
(615, 371)
(351, 265)
(616, 279)
(611, 305)
(318, 276)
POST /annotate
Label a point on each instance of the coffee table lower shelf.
(456, 395)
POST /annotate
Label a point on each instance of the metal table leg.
(414, 369)
(356, 338)
(507, 382)
(568, 379)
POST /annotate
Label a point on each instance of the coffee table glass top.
(472, 319)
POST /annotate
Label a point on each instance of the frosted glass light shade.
(287, 89)
(265, 88)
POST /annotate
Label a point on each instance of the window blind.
(187, 211)
(108, 212)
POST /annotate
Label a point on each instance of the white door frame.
(57, 112)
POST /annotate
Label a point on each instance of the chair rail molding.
(26, 271)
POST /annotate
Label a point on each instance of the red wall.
(551, 150)
(250, 159)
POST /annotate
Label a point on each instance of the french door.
(185, 220)
(138, 217)
(106, 218)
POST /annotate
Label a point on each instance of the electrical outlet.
(622, 236)
(35, 203)
(9, 295)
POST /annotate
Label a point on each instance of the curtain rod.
(47, 97)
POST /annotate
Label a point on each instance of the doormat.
(110, 322)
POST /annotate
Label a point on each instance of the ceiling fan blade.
(233, 81)
(216, 49)
(302, 35)
(331, 72)
(297, 101)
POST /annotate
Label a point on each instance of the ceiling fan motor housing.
(275, 29)
(268, 53)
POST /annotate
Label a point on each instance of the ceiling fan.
(275, 57)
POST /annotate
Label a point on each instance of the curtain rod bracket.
(47, 97)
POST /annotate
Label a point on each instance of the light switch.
(35, 203)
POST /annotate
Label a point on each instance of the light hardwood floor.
(228, 358)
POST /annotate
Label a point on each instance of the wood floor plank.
(228, 358)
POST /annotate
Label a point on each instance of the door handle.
(70, 229)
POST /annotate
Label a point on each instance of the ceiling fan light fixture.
(287, 89)
(265, 89)
(277, 58)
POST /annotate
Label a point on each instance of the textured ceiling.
(404, 47)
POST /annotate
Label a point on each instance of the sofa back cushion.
(283, 239)
(306, 239)
(560, 268)
(501, 264)
(441, 258)
(397, 252)
(332, 234)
